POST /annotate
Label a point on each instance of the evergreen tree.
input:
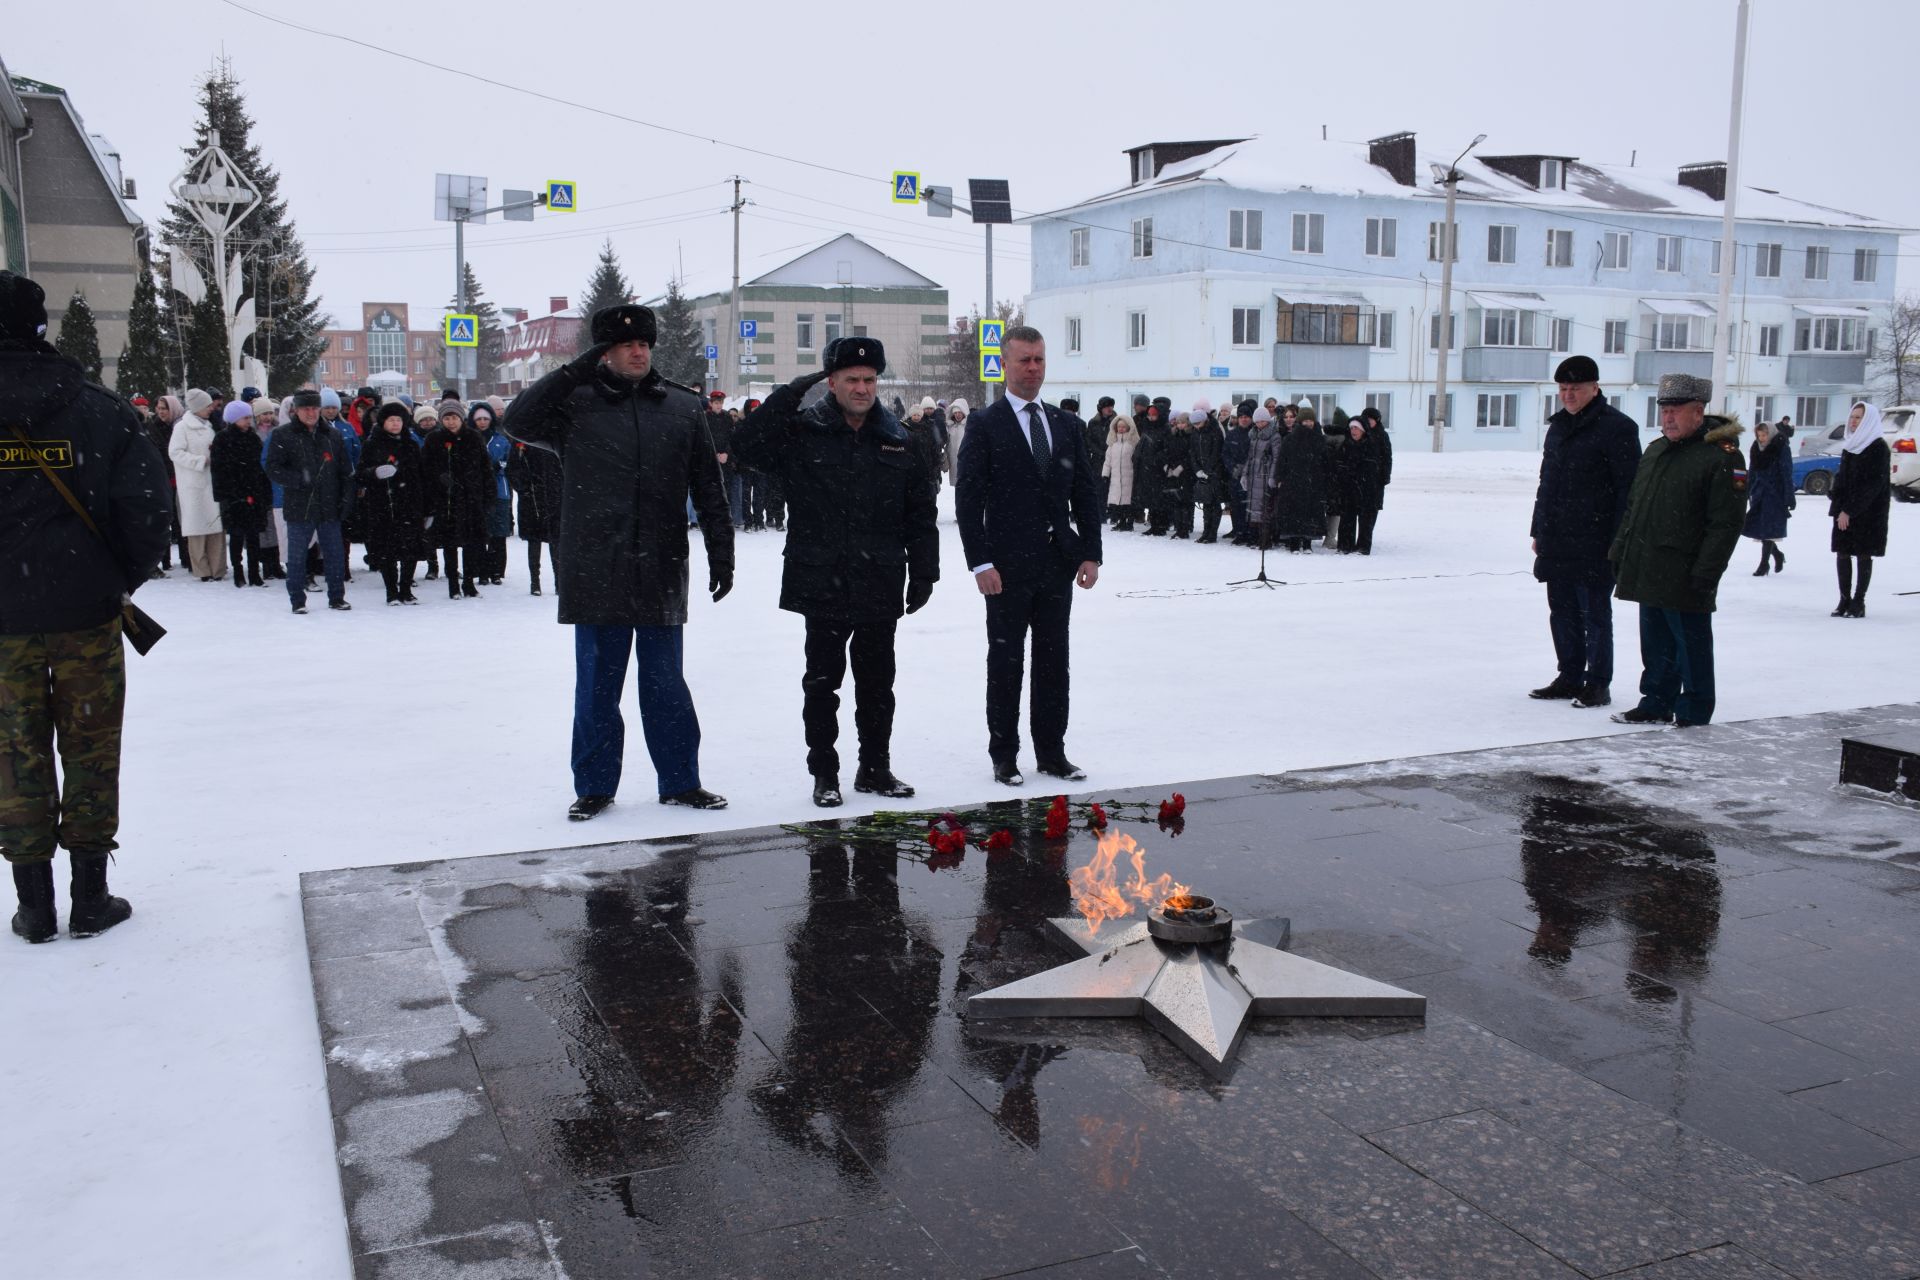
(287, 337)
(79, 336)
(493, 335)
(207, 363)
(680, 355)
(606, 287)
(143, 364)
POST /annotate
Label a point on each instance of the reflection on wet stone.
(1664, 1039)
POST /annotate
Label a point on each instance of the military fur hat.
(1577, 369)
(627, 322)
(23, 308)
(856, 353)
(305, 398)
(1106, 402)
(1684, 388)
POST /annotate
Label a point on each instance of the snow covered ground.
(161, 1088)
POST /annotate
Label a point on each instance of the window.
(1616, 338)
(1817, 262)
(1323, 405)
(1073, 335)
(711, 327)
(346, 369)
(419, 366)
(803, 331)
(833, 327)
(1810, 412)
(1507, 327)
(1829, 333)
(1673, 333)
(1716, 257)
(1563, 335)
(1763, 408)
(419, 344)
(1500, 242)
(386, 349)
(1766, 261)
(1549, 405)
(1666, 253)
(1770, 339)
(1435, 230)
(1136, 330)
(1243, 229)
(1079, 246)
(1383, 331)
(1616, 250)
(1497, 412)
(1381, 402)
(1866, 265)
(1338, 325)
(1431, 406)
(324, 368)
(1553, 175)
(1616, 401)
(1309, 232)
(346, 342)
(859, 331)
(1653, 411)
(1433, 332)
(1559, 247)
(1246, 326)
(1382, 235)
(1143, 237)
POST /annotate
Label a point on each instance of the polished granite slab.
(1672, 1030)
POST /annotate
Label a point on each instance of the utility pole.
(1448, 237)
(731, 368)
(993, 388)
(1729, 251)
(459, 217)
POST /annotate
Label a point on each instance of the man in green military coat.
(1683, 520)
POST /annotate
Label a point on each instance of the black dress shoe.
(1560, 688)
(342, 605)
(588, 807)
(1640, 715)
(1593, 695)
(826, 792)
(1062, 768)
(1007, 774)
(878, 780)
(1678, 723)
(697, 798)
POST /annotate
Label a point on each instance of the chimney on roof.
(1709, 178)
(1394, 153)
(519, 314)
(556, 305)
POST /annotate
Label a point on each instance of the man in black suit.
(1028, 505)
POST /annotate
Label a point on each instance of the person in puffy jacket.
(240, 487)
(459, 481)
(392, 500)
(308, 460)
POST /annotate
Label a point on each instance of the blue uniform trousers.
(1580, 612)
(666, 708)
(1676, 652)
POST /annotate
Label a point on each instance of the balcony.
(1649, 366)
(1505, 364)
(1845, 369)
(1320, 362)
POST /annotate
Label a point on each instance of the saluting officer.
(860, 527)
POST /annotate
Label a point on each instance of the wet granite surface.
(1673, 1033)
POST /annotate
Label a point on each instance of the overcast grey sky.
(1042, 93)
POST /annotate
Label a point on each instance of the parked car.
(1815, 474)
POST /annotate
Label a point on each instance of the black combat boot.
(878, 779)
(36, 921)
(826, 791)
(94, 910)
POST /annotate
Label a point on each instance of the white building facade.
(1233, 269)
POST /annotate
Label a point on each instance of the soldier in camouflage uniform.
(62, 673)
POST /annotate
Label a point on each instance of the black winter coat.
(720, 430)
(1359, 475)
(1587, 465)
(459, 485)
(1208, 447)
(928, 449)
(1176, 466)
(60, 576)
(1383, 466)
(1148, 483)
(1238, 443)
(860, 513)
(1096, 434)
(631, 454)
(240, 483)
(1301, 511)
(1863, 488)
(1769, 488)
(311, 468)
(534, 474)
(392, 510)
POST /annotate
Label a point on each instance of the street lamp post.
(1445, 343)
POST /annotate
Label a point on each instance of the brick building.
(384, 343)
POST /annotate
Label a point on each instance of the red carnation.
(1001, 839)
(1097, 819)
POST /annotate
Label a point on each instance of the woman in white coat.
(1117, 467)
(200, 526)
(957, 411)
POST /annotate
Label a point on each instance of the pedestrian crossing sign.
(462, 331)
(991, 369)
(906, 187)
(990, 332)
(560, 197)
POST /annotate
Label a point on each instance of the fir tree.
(208, 366)
(493, 335)
(680, 355)
(606, 287)
(79, 336)
(963, 355)
(287, 337)
(142, 370)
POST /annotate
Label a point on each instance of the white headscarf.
(1867, 432)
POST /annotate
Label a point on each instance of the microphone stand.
(1260, 579)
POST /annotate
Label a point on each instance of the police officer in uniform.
(860, 528)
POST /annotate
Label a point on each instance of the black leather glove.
(800, 386)
(720, 581)
(919, 591)
(582, 366)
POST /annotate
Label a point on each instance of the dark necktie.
(1037, 437)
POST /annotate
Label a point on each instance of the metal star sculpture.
(1198, 994)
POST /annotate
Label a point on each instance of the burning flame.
(1098, 894)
